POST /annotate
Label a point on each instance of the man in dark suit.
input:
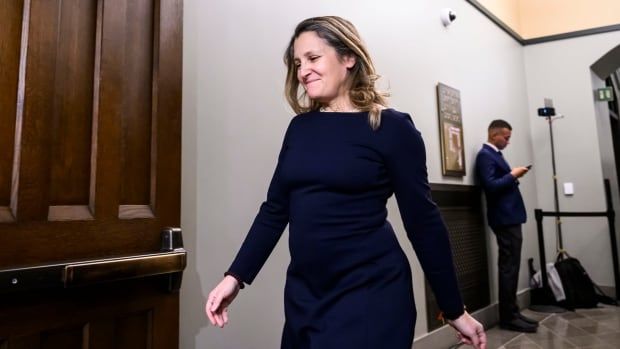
(505, 214)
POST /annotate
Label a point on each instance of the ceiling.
(532, 20)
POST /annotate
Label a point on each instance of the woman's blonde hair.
(344, 38)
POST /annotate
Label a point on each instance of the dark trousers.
(509, 241)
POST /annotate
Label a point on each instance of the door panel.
(130, 315)
(10, 36)
(90, 142)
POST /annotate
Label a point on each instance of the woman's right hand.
(219, 299)
(469, 331)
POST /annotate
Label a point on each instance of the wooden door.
(90, 142)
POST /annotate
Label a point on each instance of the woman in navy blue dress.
(348, 284)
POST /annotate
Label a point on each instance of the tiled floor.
(584, 329)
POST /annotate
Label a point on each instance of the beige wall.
(582, 142)
(536, 18)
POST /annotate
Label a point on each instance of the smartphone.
(529, 167)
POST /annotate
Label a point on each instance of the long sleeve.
(406, 164)
(504, 202)
(490, 179)
(272, 218)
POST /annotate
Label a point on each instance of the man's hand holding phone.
(518, 172)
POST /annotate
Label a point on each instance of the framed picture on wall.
(450, 131)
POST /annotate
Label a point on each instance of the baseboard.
(609, 291)
(445, 336)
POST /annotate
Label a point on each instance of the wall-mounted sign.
(451, 131)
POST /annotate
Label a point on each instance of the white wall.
(235, 114)
(561, 70)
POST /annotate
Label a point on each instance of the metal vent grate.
(462, 212)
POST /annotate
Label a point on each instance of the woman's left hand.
(469, 331)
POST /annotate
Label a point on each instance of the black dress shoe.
(518, 325)
(527, 319)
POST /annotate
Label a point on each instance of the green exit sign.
(605, 94)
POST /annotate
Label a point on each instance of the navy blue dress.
(349, 283)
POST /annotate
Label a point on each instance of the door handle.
(172, 260)
(123, 268)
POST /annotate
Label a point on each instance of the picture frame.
(450, 131)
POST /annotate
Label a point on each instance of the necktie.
(502, 156)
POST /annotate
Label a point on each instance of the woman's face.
(319, 69)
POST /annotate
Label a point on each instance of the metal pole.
(558, 222)
(541, 247)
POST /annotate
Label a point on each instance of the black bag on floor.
(578, 287)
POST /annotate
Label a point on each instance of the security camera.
(447, 16)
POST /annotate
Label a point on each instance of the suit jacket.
(504, 202)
